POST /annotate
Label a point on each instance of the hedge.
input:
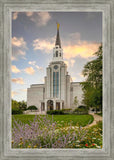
(55, 112)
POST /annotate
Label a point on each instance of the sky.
(33, 40)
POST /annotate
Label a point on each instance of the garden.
(55, 131)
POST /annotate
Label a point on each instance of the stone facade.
(58, 91)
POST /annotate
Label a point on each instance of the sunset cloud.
(13, 58)
(15, 69)
(43, 45)
(71, 50)
(29, 14)
(18, 80)
(29, 70)
(15, 15)
(19, 47)
(69, 62)
(33, 63)
(13, 93)
(82, 49)
(19, 42)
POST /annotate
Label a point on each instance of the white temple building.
(58, 91)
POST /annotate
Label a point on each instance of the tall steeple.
(58, 42)
(57, 50)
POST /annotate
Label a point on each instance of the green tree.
(22, 105)
(92, 87)
(32, 108)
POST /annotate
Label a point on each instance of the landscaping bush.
(82, 107)
(55, 112)
(32, 108)
(16, 111)
(81, 111)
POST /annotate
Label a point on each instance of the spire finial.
(57, 37)
(58, 26)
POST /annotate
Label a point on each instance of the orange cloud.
(13, 58)
(83, 49)
(18, 80)
(15, 15)
(29, 70)
(15, 69)
(13, 93)
(19, 42)
(29, 14)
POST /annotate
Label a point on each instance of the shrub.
(83, 107)
(32, 108)
(55, 112)
(81, 111)
(16, 111)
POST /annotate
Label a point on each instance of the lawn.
(64, 120)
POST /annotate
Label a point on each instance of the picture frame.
(107, 9)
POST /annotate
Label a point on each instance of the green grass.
(64, 120)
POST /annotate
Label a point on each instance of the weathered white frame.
(6, 8)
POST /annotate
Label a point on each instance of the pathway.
(97, 118)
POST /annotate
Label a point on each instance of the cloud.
(19, 42)
(19, 47)
(18, 80)
(71, 49)
(29, 70)
(23, 90)
(15, 15)
(15, 69)
(73, 78)
(39, 18)
(33, 63)
(43, 45)
(29, 14)
(13, 93)
(13, 58)
(69, 62)
(82, 49)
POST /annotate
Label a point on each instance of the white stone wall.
(77, 91)
(68, 91)
(34, 95)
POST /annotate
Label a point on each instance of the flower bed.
(43, 133)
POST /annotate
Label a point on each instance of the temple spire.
(58, 42)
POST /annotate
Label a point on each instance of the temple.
(58, 91)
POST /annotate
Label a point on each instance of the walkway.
(96, 117)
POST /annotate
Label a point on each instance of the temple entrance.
(49, 105)
(57, 105)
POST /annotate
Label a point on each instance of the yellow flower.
(40, 147)
(12, 141)
(29, 146)
(35, 146)
(21, 138)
